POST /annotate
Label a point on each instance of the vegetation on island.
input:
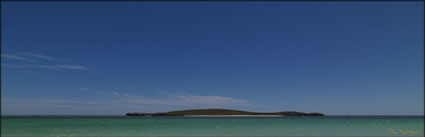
(221, 112)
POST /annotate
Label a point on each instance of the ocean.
(335, 126)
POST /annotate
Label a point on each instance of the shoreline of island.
(233, 115)
(223, 113)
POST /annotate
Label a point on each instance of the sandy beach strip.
(233, 115)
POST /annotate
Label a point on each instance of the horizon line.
(212, 115)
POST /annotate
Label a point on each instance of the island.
(222, 112)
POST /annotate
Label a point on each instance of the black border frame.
(1, 25)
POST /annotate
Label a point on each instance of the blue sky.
(338, 58)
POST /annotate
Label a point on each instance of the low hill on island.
(222, 112)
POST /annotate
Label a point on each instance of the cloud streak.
(51, 67)
(118, 102)
(16, 57)
(179, 100)
(211, 100)
(33, 57)
(62, 67)
(39, 56)
(12, 65)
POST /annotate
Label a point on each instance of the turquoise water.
(211, 126)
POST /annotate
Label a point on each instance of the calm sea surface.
(212, 126)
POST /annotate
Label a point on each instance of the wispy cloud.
(51, 67)
(12, 65)
(122, 102)
(212, 100)
(33, 57)
(62, 67)
(181, 100)
(16, 57)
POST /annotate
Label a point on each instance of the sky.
(110, 58)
